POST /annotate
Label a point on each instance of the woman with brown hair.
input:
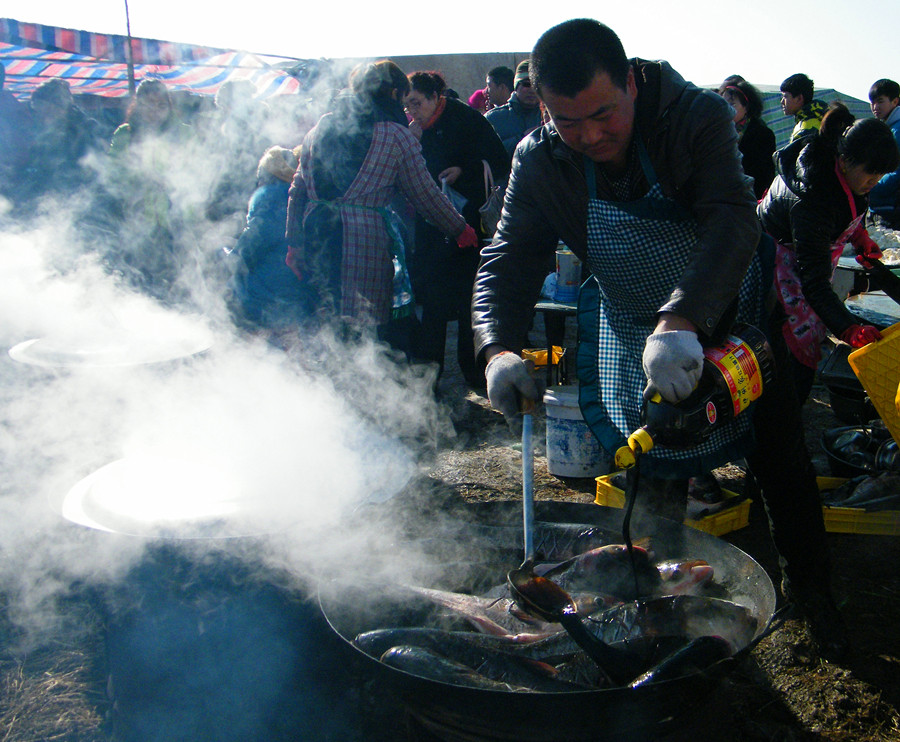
(342, 236)
(756, 141)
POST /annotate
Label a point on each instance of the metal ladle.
(548, 601)
(544, 598)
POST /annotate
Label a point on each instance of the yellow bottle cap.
(640, 439)
(624, 458)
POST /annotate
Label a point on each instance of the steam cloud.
(299, 437)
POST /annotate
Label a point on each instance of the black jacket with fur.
(806, 207)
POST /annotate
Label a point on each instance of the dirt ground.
(781, 692)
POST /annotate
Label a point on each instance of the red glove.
(468, 238)
(860, 335)
(867, 248)
(292, 261)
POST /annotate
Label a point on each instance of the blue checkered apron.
(637, 251)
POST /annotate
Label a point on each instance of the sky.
(838, 44)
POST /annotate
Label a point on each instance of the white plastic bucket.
(568, 275)
(572, 450)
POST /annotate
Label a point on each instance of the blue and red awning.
(33, 54)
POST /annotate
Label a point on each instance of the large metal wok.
(460, 713)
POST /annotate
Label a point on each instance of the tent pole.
(129, 56)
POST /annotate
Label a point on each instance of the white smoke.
(102, 455)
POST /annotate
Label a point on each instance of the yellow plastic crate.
(877, 365)
(857, 520)
(539, 355)
(725, 521)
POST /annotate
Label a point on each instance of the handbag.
(493, 202)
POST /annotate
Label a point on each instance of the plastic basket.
(725, 521)
(857, 520)
(877, 365)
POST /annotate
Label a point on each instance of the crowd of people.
(673, 197)
(363, 212)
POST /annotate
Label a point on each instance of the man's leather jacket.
(692, 145)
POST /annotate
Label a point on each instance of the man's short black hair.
(799, 84)
(568, 56)
(502, 76)
(888, 88)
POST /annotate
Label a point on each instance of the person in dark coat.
(756, 141)
(815, 206)
(455, 140)
(64, 137)
(142, 200)
(343, 236)
(266, 294)
(15, 139)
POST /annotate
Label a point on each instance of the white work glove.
(673, 362)
(508, 379)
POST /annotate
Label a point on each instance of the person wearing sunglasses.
(520, 115)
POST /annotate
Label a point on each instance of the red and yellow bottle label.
(738, 365)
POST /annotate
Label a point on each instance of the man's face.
(598, 121)
(790, 104)
(497, 94)
(526, 95)
(882, 106)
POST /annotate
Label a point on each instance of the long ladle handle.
(632, 478)
(528, 478)
(602, 655)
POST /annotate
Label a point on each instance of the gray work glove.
(673, 362)
(508, 379)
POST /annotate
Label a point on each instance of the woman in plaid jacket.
(342, 235)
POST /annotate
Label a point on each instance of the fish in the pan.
(612, 570)
(426, 663)
(680, 615)
(683, 576)
(596, 585)
(696, 656)
(486, 655)
(499, 614)
(454, 657)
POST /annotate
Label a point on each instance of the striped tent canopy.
(101, 46)
(782, 125)
(26, 68)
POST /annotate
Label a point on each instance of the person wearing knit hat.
(264, 294)
(520, 115)
(521, 73)
(479, 100)
(277, 163)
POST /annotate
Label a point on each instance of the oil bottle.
(735, 373)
